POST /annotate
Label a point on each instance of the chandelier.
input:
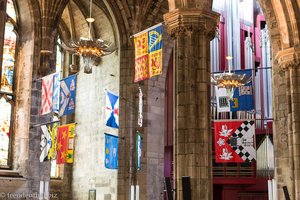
(229, 80)
(90, 49)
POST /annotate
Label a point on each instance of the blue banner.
(138, 150)
(55, 94)
(67, 95)
(155, 39)
(111, 151)
(243, 96)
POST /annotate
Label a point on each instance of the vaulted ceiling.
(124, 17)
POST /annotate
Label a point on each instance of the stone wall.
(88, 168)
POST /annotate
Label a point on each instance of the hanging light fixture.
(229, 80)
(90, 49)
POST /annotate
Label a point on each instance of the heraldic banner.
(67, 95)
(148, 53)
(65, 143)
(243, 98)
(138, 144)
(47, 90)
(45, 144)
(111, 151)
(55, 94)
(48, 142)
(234, 141)
(112, 110)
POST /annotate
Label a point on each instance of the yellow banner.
(155, 59)
(53, 133)
(148, 53)
(141, 57)
(70, 149)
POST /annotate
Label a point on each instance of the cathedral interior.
(164, 125)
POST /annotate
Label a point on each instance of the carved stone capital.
(192, 20)
(289, 58)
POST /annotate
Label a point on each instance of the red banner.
(234, 141)
(47, 89)
(62, 144)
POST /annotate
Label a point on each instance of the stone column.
(51, 12)
(192, 29)
(289, 175)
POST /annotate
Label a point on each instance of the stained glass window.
(10, 10)
(8, 59)
(6, 85)
(5, 109)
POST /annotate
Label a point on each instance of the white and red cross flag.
(47, 90)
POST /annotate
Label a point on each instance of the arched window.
(7, 85)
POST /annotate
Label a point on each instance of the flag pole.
(253, 69)
(123, 138)
(45, 123)
(143, 31)
(39, 79)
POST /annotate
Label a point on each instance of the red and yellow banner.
(65, 144)
(141, 57)
(148, 54)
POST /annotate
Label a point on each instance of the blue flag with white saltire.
(242, 98)
(67, 95)
(111, 151)
(112, 110)
(55, 94)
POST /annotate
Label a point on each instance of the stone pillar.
(289, 174)
(192, 29)
(51, 12)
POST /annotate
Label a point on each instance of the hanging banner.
(45, 144)
(155, 51)
(62, 143)
(140, 112)
(67, 95)
(141, 68)
(243, 98)
(70, 148)
(48, 142)
(47, 90)
(65, 143)
(53, 133)
(55, 95)
(111, 151)
(234, 141)
(112, 110)
(138, 150)
(148, 53)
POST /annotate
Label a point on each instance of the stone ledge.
(8, 174)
